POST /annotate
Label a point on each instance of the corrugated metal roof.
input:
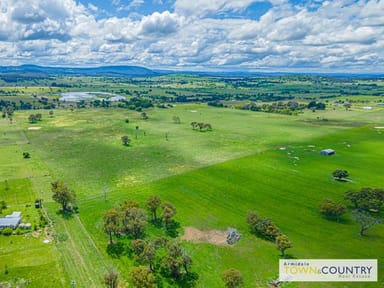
(9, 222)
(12, 220)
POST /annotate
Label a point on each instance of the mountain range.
(125, 71)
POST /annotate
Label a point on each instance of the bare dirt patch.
(216, 237)
(379, 127)
(34, 128)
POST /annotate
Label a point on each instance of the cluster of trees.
(7, 112)
(289, 108)
(157, 258)
(365, 203)
(161, 258)
(132, 220)
(136, 103)
(33, 118)
(265, 228)
(314, 105)
(24, 105)
(201, 126)
(217, 104)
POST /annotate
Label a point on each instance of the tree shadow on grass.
(171, 229)
(116, 250)
(288, 256)
(157, 223)
(66, 214)
(185, 281)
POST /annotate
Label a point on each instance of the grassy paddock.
(25, 256)
(212, 178)
(283, 185)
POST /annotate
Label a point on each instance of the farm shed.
(327, 152)
(11, 221)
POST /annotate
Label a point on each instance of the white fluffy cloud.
(319, 35)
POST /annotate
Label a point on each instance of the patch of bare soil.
(216, 237)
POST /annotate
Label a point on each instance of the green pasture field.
(283, 185)
(25, 258)
(211, 177)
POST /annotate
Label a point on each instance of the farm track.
(90, 240)
(75, 250)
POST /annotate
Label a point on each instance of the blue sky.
(249, 35)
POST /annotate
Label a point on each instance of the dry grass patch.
(216, 237)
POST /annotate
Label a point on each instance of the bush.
(262, 227)
(232, 278)
(331, 209)
(26, 155)
(7, 231)
(340, 174)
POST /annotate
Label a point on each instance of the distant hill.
(125, 71)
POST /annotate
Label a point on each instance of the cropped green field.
(213, 178)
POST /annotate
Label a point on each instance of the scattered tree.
(168, 212)
(51, 113)
(111, 279)
(340, 174)
(142, 277)
(366, 199)
(176, 119)
(62, 194)
(232, 278)
(365, 220)
(175, 261)
(26, 155)
(149, 255)
(111, 223)
(331, 209)
(144, 116)
(138, 246)
(135, 220)
(32, 118)
(125, 139)
(283, 243)
(145, 252)
(127, 204)
(153, 203)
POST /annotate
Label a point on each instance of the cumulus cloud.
(160, 23)
(341, 34)
(203, 8)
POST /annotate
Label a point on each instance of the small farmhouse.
(11, 221)
(327, 152)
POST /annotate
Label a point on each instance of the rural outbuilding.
(327, 152)
(11, 221)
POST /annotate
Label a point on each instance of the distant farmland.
(267, 162)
